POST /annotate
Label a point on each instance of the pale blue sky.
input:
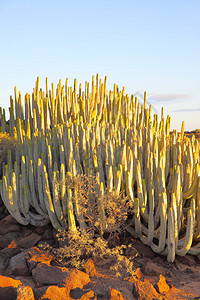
(142, 45)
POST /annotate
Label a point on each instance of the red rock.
(162, 287)
(18, 264)
(7, 281)
(2, 263)
(82, 294)
(9, 239)
(25, 293)
(11, 251)
(187, 260)
(153, 269)
(29, 241)
(75, 278)
(13, 235)
(13, 245)
(8, 224)
(131, 252)
(48, 234)
(4, 241)
(42, 229)
(8, 288)
(8, 293)
(90, 268)
(26, 281)
(36, 255)
(71, 278)
(144, 291)
(115, 295)
(176, 294)
(138, 273)
(56, 293)
(88, 296)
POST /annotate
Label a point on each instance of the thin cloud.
(140, 97)
(169, 97)
(186, 109)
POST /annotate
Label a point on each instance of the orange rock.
(115, 295)
(88, 296)
(7, 281)
(53, 275)
(56, 293)
(162, 287)
(90, 268)
(25, 293)
(144, 291)
(177, 294)
(35, 256)
(138, 273)
(13, 245)
(75, 279)
(8, 288)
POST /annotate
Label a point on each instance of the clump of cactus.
(69, 131)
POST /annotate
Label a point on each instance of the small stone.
(7, 281)
(36, 256)
(3, 265)
(41, 229)
(11, 250)
(26, 281)
(152, 269)
(29, 241)
(162, 287)
(18, 264)
(115, 295)
(4, 241)
(24, 293)
(138, 273)
(48, 234)
(177, 294)
(8, 224)
(12, 236)
(187, 260)
(131, 252)
(89, 296)
(8, 288)
(90, 268)
(56, 293)
(82, 294)
(71, 278)
(144, 290)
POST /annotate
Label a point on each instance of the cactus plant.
(67, 132)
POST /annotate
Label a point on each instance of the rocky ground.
(28, 272)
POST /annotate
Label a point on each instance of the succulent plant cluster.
(68, 131)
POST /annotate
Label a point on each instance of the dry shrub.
(102, 213)
(78, 246)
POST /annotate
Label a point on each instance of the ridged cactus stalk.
(65, 132)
